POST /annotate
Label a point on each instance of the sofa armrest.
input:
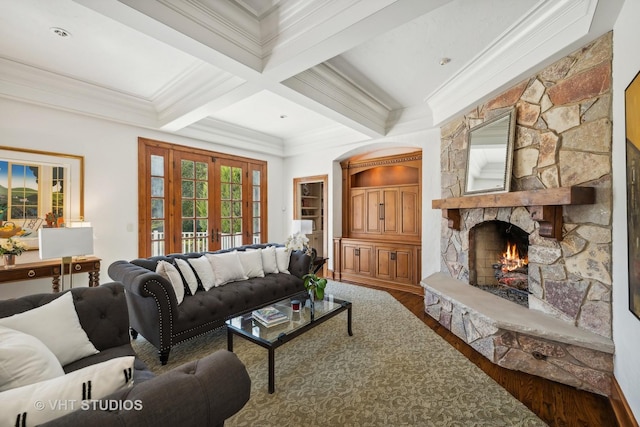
(151, 302)
(299, 263)
(200, 393)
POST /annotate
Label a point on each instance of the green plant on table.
(315, 284)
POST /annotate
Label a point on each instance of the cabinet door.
(358, 211)
(365, 260)
(384, 265)
(409, 208)
(395, 264)
(356, 259)
(374, 211)
(390, 210)
(403, 265)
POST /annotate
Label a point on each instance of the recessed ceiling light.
(445, 61)
(60, 32)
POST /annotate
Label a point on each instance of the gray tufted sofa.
(203, 393)
(154, 311)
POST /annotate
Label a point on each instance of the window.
(195, 200)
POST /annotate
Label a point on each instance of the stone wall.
(563, 138)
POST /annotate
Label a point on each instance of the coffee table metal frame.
(289, 333)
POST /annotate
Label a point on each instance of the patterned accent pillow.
(189, 278)
(20, 406)
(203, 269)
(170, 272)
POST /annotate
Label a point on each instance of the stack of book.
(270, 316)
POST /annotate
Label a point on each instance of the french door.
(194, 200)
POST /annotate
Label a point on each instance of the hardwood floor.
(556, 404)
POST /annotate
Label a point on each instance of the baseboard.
(621, 407)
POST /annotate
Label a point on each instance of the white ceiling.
(281, 75)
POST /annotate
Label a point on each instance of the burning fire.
(511, 258)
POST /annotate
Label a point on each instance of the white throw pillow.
(251, 263)
(47, 400)
(56, 324)
(269, 263)
(25, 360)
(190, 279)
(283, 255)
(226, 267)
(203, 269)
(170, 272)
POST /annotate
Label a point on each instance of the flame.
(511, 258)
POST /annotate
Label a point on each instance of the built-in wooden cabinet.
(381, 222)
(385, 212)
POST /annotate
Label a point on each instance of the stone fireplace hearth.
(563, 140)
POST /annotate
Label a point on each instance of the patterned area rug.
(394, 371)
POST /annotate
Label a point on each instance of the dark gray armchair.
(204, 392)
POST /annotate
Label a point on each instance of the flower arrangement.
(298, 242)
(12, 247)
(312, 283)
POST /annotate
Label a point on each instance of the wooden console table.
(51, 268)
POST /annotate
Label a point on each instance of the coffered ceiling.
(282, 76)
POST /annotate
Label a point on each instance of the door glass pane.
(255, 194)
(188, 189)
(194, 208)
(231, 206)
(157, 165)
(157, 184)
(157, 208)
(157, 238)
(157, 187)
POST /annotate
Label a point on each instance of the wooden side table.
(51, 268)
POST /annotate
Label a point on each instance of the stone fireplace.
(563, 141)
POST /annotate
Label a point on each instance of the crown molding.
(184, 101)
(36, 86)
(409, 120)
(540, 37)
(326, 86)
(223, 133)
(221, 26)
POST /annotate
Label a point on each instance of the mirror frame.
(510, 140)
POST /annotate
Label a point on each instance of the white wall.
(626, 327)
(111, 197)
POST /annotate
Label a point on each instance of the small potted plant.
(314, 285)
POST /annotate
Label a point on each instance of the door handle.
(381, 211)
(357, 252)
(393, 256)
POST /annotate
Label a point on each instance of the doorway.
(310, 203)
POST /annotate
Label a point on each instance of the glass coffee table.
(298, 323)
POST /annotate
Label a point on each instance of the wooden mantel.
(545, 206)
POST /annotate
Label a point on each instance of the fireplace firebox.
(498, 258)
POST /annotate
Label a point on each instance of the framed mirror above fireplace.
(490, 154)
